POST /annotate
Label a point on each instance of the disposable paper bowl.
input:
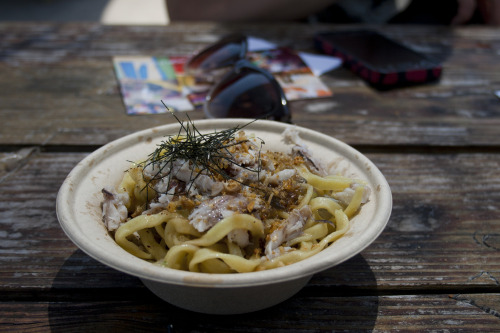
(79, 213)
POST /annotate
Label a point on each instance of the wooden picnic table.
(436, 266)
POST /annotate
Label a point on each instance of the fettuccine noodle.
(244, 210)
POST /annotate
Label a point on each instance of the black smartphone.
(379, 60)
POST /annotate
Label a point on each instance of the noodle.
(234, 209)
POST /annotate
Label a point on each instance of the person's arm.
(243, 10)
(465, 10)
(489, 9)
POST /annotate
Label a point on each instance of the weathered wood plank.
(60, 77)
(443, 233)
(430, 269)
(408, 313)
(445, 225)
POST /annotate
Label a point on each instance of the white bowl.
(79, 213)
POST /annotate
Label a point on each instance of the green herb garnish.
(208, 154)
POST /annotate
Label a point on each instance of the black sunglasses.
(240, 89)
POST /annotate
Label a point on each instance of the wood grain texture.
(60, 76)
(436, 266)
(413, 313)
(443, 233)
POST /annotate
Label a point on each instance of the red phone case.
(416, 69)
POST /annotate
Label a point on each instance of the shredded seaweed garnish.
(208, 154)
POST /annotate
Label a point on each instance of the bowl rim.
(145, 270)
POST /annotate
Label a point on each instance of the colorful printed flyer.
(294, 76)
(147, 81)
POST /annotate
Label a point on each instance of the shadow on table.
(90, 297)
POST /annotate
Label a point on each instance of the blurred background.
(154, 12)
(147, 12)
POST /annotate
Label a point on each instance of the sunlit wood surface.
(436, 266)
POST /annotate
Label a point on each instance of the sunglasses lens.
(247, 93)
(224, 53)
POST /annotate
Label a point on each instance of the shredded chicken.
(291, 136)
(239, 237)
(282, 175)
(209, 212)
(287, 230)
(114, 211)
(346, 195)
